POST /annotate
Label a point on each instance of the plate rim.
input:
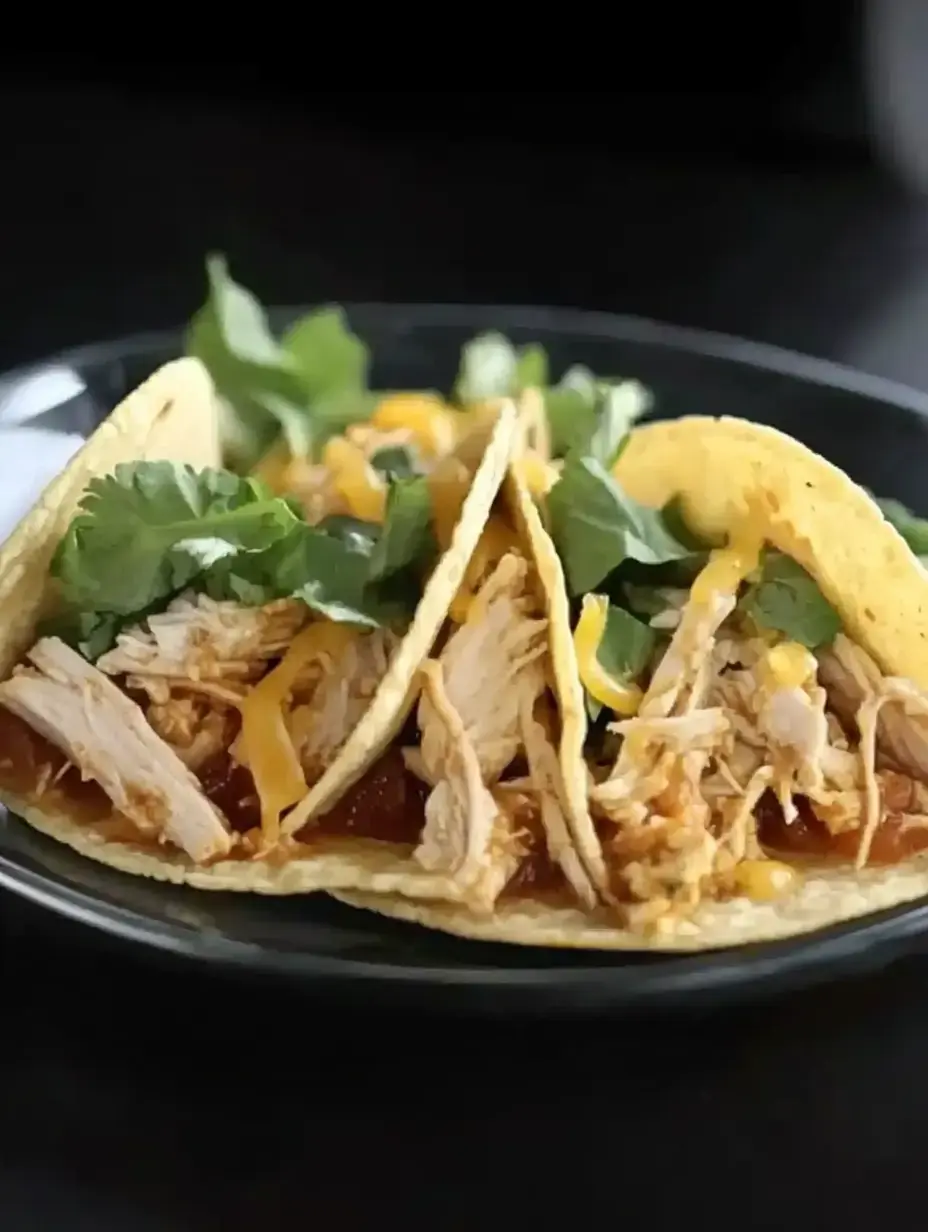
(665, 976)
(712, 344)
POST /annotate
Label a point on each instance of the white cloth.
(29, 459)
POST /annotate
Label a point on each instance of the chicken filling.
(206, 723)
(747, 750)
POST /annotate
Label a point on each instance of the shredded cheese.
(788, 666)
(264, 745)
(765, 880)
(432, 424)
(537, 475)
(727, 568)
(588, 635)
(363, 490)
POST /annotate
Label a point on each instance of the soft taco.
(740, 646)
(208, 683)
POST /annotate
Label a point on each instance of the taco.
(740, 642)
(207, 683)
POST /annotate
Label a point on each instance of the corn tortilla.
(826, 896)
(175, 416)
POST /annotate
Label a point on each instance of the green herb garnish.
(305, 387)
(912, 528)
(596, 526)
(785, 599)
(153, 529)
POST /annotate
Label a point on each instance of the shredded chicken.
(663, 840)
(104, 734)
(200, 640)
(332, 695)
(719, 726)
(470, 712)
(851, 676)
(194, 729)
(195, 662)
(887, 711)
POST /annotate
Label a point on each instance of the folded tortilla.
(174, 416)
(834, 754)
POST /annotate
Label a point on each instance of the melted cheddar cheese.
(432, 424)
(265, 746)
(588, 635)
(788, 666)
(363, 490)
(727, 568)
(537, 475)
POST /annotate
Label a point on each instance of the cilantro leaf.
(330, 573)
(787, 600)
(407, 538)
(912, 528)
(259, 381)
(329, 356)
(92, 633)
(395, 461)
(491, 367)
(304, 388)
(145, 531)
(596, 526)
(531, 368)
(593, 416)
(333, 365)
(360, 535)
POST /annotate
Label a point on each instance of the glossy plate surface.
(874, 429)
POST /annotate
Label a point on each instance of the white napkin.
(29, 459)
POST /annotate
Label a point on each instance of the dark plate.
(875, 430)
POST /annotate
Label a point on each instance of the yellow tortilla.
(727, 470)
(825, 896)
(175, 416)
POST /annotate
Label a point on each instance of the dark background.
(741, 192)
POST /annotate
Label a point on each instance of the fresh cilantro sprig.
(152, 529)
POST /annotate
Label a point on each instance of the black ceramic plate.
(875, 430)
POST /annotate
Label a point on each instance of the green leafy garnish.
(356, 533)
(329, 574)
(407, 538)
(786, 600)
(145, 531)
(152, 529)
(625, 650)
(333, 366)
(394, 461)
(305, 388)
(912, 528)
(592, 416)
(92, 633)
(259, 381)
(596, 526)
(531, 368)
(491, 367)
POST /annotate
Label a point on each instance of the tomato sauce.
(892, 843)
(232, 789)
(28, 760)
(386, 803)
(538, 875)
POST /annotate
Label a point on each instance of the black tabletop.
(139, 1094)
